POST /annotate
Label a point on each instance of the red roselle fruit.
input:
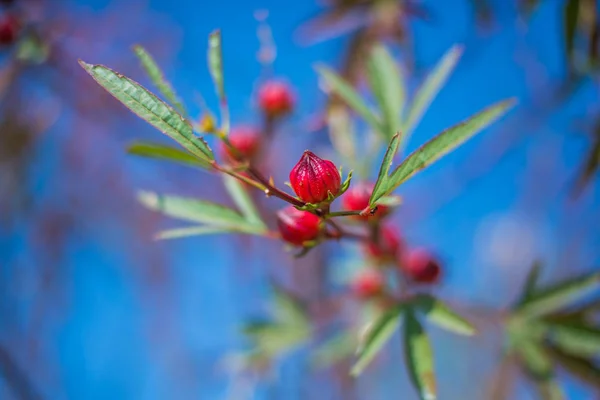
(357, 199)
(314, 178)
(246, 140)
(389, 246)
(297, 227)
(9, 29)
(420, 266)
(368, 284)
(275, 98)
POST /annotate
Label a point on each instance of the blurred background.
(92, 307)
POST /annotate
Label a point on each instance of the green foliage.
(334, 350)
(440, 314)
(166, 153)
(419, 357)
(150, 108)
(158, 78)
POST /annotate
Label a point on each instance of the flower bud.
(275, 98)
(368, 284)
(9, 29)
(296, 226)
(314, 178)
(246, 140)
(420, 266)
(389, 246)
(357, 199)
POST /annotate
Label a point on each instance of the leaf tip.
(85, 65)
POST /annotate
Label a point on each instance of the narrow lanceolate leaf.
(530, 283)
(289, 311)
(577, 339)
(335, 350)
(381, 186)
(178, 233)
(349, 95)
(441, 315)
(194, 210)
(430, 88)
(215, 62)
(158, 78)
(571, 16)
(386, 83)
(442, 144)
(419, 358)
(166, 153)
(150, 108)
(535, 359)
(243, 201)
(562, 294)
(379, 332)
(582, 368)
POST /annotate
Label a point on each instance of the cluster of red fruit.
(10, 25)
(316, 181)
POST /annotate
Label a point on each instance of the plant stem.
(271, 190)
(342, 214)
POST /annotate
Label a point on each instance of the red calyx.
(368, 284)
(9, 29)
(296, 226)
(357, 199)
(420, 266)
(313, 178)
(389, 246)
(275, 98)
(246, 140)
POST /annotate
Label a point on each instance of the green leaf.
(571, 16)
(335, 350)
(243, 201)
(381, 186)
(150, 108)
(349, 95)
(166, 153)
(377, 335)
(440, 145)
(194, 210)
(158, 78)
(576, 339)
(289, 311)
(535, 359)
(419, 358)
(275, 339)
(178, 233)
(386, 83)
(342, 133)
(440, 314)
(430, 88)
(582, 368)
(530, 282)
(562, 294)
(215, 63)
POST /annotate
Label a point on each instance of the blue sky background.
(122, 332)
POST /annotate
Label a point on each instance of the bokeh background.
(91, 307)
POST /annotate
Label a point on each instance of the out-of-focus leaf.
(381, 185)
(535, 359)
(32, 49)
(550, 389)
(341, 132)
(275, 339)
(419, 358)
(440, 314)
(580, 367)
(166, 153)
(150, 108)
(387, 85)
(570, 17)
(243, 201)
(349, 95)
(440, 145)
(178, 233)
(215, 63)
(530, 282)
(289, 311)
(336, 349)
(577, 339)
(562, 294)
(157, 77)
(377, 335)
(215, 215)
(430, 88)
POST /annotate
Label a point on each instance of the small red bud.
(296, 226)
(9, 29)
(246, 140)
(313, 178)
(419, 265)
(357, 199)
(275, 98)
(368, 284)
(389, 246)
